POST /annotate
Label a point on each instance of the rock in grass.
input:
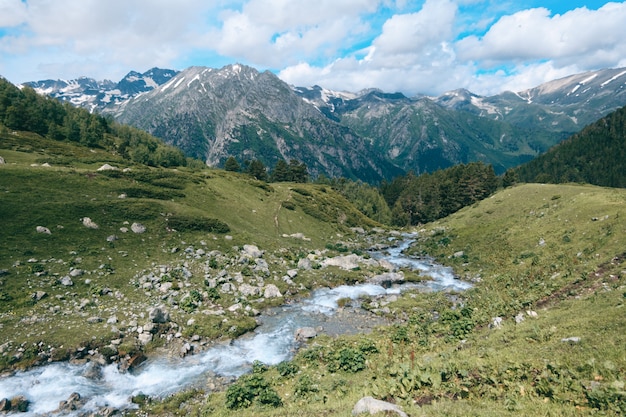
(372, 406)
(572, 340)
(271, 291)
(67, 281)
(305, 264)
(39, 295)
(345, 262)
(145, 338)
(42, 229)
(107, 167)
(2, 162)
(496, 323)
(252, 251)
(138, 228)
(88, 223)
(159, 315)
(75, 272)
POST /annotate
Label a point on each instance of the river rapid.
(271, 343)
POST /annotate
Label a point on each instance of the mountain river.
(271, 343)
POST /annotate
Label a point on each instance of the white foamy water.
(271, 343)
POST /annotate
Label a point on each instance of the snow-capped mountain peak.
(95, 95)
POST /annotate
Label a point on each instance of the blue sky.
(411, 46)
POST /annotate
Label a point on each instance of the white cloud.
(275, 33)
(412, 54)
(416, 52)
(76, 36)
(12, 13)
(395, 45)
(586, 37)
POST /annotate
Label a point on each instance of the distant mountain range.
(370, 135)
(95, 95)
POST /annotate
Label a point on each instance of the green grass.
(558, 250)
(180, 208)
(444, 360)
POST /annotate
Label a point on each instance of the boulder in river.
(73, 403)
(387, 279)
(305, 333)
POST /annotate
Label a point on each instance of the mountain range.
(371, 135)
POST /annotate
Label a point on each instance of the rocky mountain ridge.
(95, 95)
(236, 110)
(369, 135)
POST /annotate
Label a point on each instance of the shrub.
(287, 368)
(258, 367)
(349, 360)
(304, 386)
(302, 191)
(400, 335)
(289, 205)
(197, 223)
(239, 396)
(250, 388)
(213, 294)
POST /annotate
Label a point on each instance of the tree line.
(294, 171)
(404, 201)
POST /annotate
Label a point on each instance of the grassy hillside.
(547, 259)
(186, 213)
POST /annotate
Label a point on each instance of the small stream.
(271, 343)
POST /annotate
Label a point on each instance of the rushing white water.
(271, 343)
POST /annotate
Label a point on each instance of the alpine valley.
(370, 135)
(135, 281)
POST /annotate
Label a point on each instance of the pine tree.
(298, 171)
(257, 169)
(232, 165)
(281, 171)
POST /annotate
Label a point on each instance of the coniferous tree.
(595, 155)
(281, 171)
(257, 169)
(298, 171)
(232, 165)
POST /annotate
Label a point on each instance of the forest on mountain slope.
(596, 155)
(25, 110)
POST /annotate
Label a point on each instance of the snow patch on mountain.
(610, 80)
(480, 103)
(96, 95)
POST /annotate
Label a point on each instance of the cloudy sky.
(412, 46)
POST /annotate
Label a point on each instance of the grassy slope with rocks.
(196, 221)
(556, 250)
(547, 259)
